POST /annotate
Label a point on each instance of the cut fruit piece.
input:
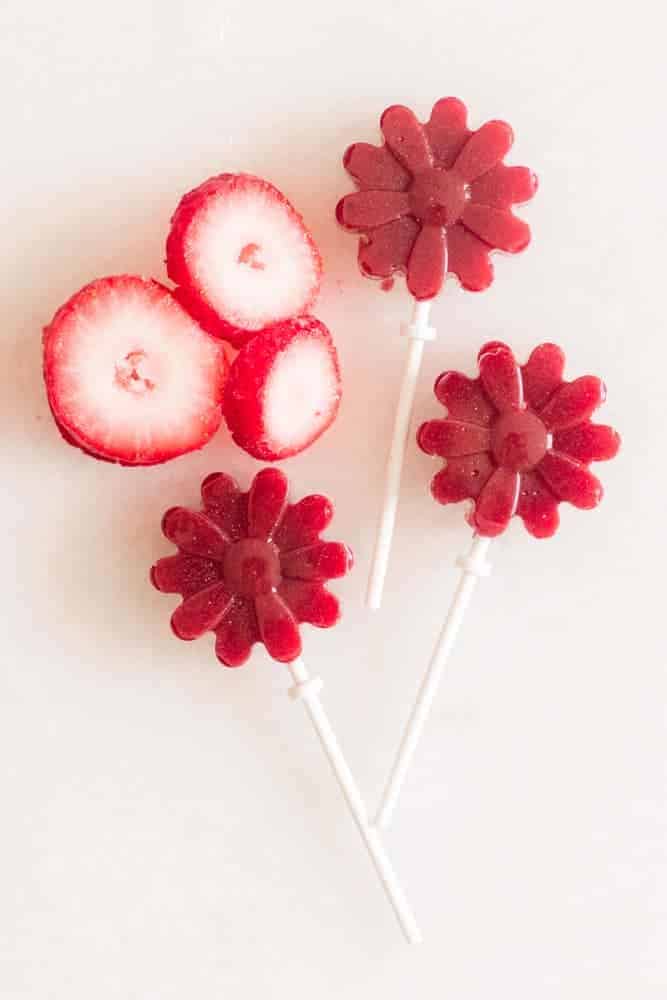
(241, 256)
(283, 389)
(130, 377)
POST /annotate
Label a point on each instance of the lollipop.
(517, 441)
(251, 568)
(435, 199)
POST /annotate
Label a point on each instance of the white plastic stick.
(473, 566)
(308, 689)
(418, 331)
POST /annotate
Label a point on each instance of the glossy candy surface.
(518, 440)
(435, 199)
(251, 567)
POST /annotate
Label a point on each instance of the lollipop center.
(252, 567)
(437, 196)
(519, 440)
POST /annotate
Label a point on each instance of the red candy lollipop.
(517, 440)
(251, 567)
(434, 199)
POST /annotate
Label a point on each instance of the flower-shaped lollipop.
(436, 198)
(518, 440)
(251, 567)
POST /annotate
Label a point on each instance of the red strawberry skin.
(189, 291)
(244, 397)
(77, 435)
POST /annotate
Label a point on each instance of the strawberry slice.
(129, 375)
(283, 389)
(241, 256)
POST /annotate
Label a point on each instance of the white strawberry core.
(251, 258)
(300, 393)
(134, 371)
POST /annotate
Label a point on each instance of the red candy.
(518, 440)
(435, 199)
(251, 567)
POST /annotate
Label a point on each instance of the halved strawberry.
(130, 376)
(283, 389)
(241, 256)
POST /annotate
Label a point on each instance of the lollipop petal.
(374, 168)
(427, 265)
(225, 504)
(182, 574)
(278, 627)
(542, 374)
(468, 259)
(497, 227)
(447, 131)
(462, 478)
(573, 403)
(323, 561)
(201, 612)
(485, 147)
(303, 522)
(464, 398)
(503, 186)
(237, 633)
(570, 480)
(370, 209)
(497, 502)
(501, 376)
(406, 138)
(267, 501)
(453, 438)
(588, 442)
(537, 506)
(388, 248)
(310, 602)
(194, 533)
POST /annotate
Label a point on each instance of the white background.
(170, 829)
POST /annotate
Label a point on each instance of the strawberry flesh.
(130, 377)
(241, 257)
(284, 389)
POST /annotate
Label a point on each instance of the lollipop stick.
(473, 566)
(418, 331)
(308, 689)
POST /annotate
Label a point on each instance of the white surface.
(396, 449)
(170, 829)
(307, 689)
(472, 567)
